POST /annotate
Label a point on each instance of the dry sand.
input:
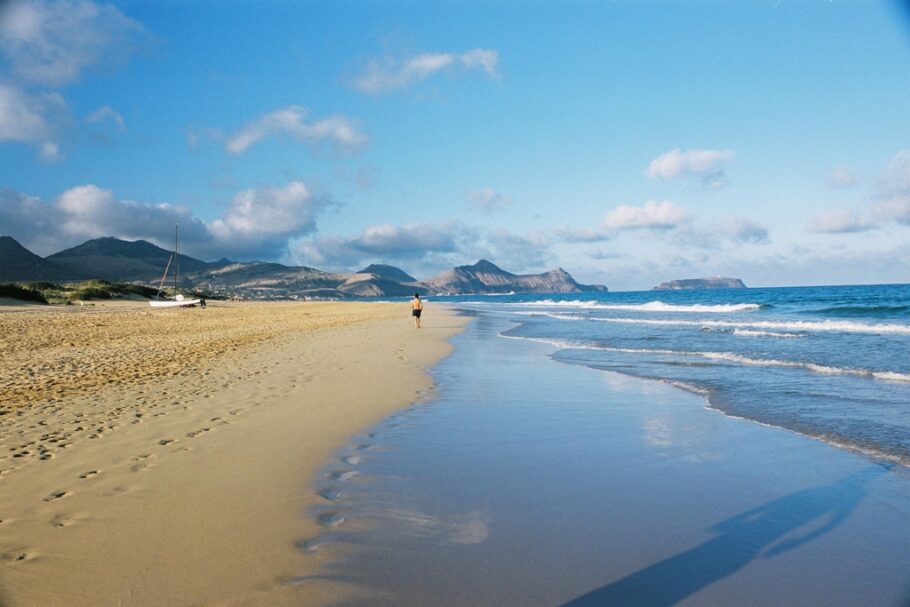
(167, 457)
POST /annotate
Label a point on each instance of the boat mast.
(176, 257)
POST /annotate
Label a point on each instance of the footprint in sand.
(330, 519)
(55, 496)
(342, 475)
(62, 521)
(89, 474)
(167, 441)
(313, 544)
(330, 495)
(13, 556)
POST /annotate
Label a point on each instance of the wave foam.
(728, 357)
(754, 333)
(651, 306)
(839, 326)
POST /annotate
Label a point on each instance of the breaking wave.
(651, 306)
(841, 326)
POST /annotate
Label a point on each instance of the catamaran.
(179, 300)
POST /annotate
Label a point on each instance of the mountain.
(713, 282)
(486, 277)
(116, 260)
(18, 264)
(387, 272)
(261, 280)
(264, 280)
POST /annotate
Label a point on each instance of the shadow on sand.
(767, 531)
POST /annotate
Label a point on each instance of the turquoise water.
(828, 362)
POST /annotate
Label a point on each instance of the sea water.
(523, 480)
(832, 363)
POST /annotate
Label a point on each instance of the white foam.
(651, 306)
(840, 326)
(755, 333)
(728, 357)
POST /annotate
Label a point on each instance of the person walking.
(416, 309)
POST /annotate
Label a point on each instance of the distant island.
(713, 282)
(141, 262)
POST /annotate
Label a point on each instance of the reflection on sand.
(535, 483)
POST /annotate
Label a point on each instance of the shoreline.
(191, 485)
(536, 482)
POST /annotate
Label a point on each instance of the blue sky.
(629, 143)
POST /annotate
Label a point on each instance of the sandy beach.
(168, 457)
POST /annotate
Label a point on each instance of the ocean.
(832, 363)
(573, 453)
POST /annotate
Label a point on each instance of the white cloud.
(707, 165)
(488, 200)
(258, 223)
(385, 242)
(256, 217)
(573, 234)
(339, 132)
(839, 222)
(31, 118)
(50, 43)
(424, 248)
(655, 215)
(842, 178)
(383, 75)
(50, 151)
(739, 229)
(106, 112)
(894, 209)
(407, 240)
(894, 190)
(519, 253)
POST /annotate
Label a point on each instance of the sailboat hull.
(174, 304)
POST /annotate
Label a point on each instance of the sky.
(630, 143)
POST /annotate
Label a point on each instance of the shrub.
(21, 293)
(85, 293)
(94, 283)
(42, 285)
(141, 290)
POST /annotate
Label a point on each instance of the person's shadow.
(739, 540)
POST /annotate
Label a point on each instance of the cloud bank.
(424, 248)
(839, 222)
(256, 224)
(47, 45)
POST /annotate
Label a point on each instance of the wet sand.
(537, 483)
(167, 457)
